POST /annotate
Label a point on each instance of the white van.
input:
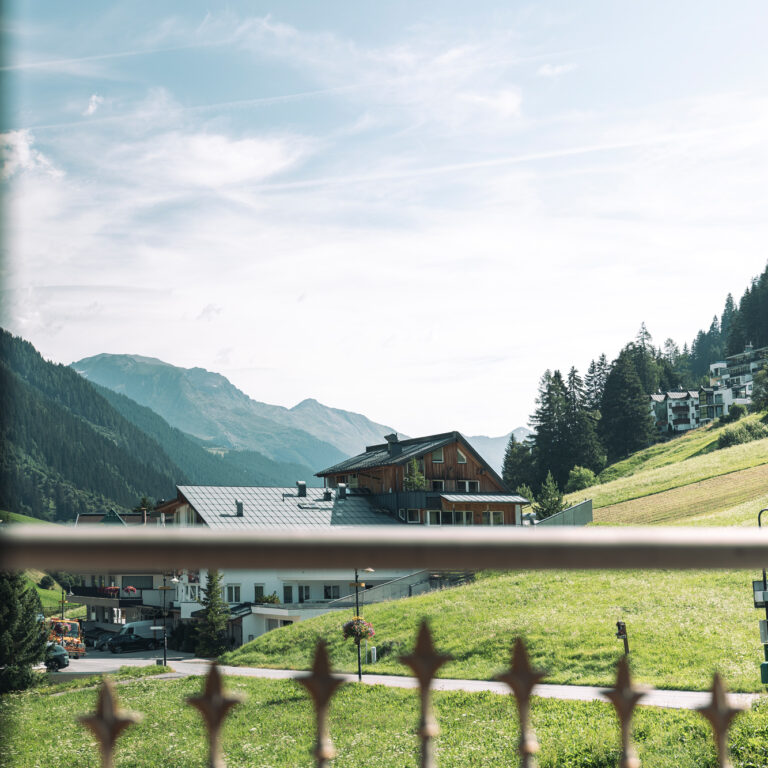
(143, 629)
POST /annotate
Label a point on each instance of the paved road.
(185, 664)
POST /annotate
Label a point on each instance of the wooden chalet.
(460, 487)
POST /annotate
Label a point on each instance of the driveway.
(100, 662)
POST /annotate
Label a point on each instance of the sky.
(406, 210)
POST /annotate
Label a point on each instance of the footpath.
(654, 698)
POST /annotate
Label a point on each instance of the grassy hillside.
(659, 473)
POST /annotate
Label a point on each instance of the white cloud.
(554, 70)
(93, 104)
(19, 155)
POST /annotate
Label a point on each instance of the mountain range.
(209, 407)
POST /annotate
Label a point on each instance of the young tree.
(211, 633)
(22, 635)
(518, 466)
(550, 499)
(414, 479)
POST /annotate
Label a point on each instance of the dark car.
(129, 642)
(56, 657)
(100, 641)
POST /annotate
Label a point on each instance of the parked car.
(129, 642)
(56, 657)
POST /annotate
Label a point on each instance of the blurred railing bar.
(503, 548)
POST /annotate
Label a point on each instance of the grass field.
(682, 626)
(656, 479)
(706, 497)
(370, 725)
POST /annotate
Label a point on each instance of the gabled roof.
(684, 395)
(280, 508)
(110, 517)
(413, 448)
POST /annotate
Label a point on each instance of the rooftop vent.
(327, 494)
(302, 486)
(239, 508)
(342, 490)
(393, 444)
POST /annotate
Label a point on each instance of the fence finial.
(720, 714)
(321, 685)
(624, 697)
(522, 679)
(214, 706)
(108, 722)
(425, 661)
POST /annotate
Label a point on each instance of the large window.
(303, 593)
(462, 458)
(469, 486)
(331, 591)
(438, 485)
(494, 517)
(450, 517)
(233, 593)
(287, 593)
(258, 593)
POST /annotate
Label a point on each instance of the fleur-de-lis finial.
(522, 679)
(720, 714)
(321, 685)
(425, 661)
(624, 697)
(108, 722)
(214, 706)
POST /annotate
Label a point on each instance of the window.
(192, 593)
(446, 517)
(468, 486)
(331, 591)
(494, 517)
(287, 593)
(401, 514)
(434, 517)
(303, 592)
(438, 485)
(463, 517)
(437, 456)
(413, 516)
(258, 593)
(341, 479)
(462, 458)
(233, 593)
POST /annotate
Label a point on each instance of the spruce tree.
(518, 468)
(22, 635)
(550, 499)
(626, 424)
(549, 424)
(211, 632)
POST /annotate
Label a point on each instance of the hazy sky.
(408, 210)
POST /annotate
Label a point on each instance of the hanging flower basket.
(130, 590)
(358, 629)
(111, 591)
(59, 628)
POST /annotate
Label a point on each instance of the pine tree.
(626, 424)
(22, 636)
(550, 499)
(518, 468)
(549, 424)
(583, 444)
(594, 382)
(211, 633)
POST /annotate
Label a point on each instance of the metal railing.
(504, 548)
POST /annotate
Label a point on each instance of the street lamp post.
(164, 589)
(357, 613)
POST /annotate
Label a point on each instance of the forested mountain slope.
(65, 448)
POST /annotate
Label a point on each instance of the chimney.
(302, 486)
(239, 508)
(143, 516)
(342, 490)
(327, 494)
(393, 444)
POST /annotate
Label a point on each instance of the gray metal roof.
(280, 508)
(486, 498)
(379, 455)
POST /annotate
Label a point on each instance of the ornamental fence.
(426, 548)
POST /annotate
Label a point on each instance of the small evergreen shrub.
(745, 432)
(272, 599)
(46, 582)
(580, 478)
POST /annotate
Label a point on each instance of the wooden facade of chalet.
(460, 487)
